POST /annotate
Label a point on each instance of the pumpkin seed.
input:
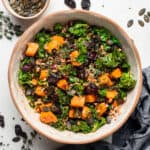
(148, 13)
(141, 23)
(146, 18)
(130, 23)
(142, 11)
(7, 28)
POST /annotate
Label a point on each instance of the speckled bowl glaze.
(8, 7)
(28, 113)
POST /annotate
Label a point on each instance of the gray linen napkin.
(135, 134)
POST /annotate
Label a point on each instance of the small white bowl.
(21, 101)
(9, 8)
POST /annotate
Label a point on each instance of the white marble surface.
(117, 10)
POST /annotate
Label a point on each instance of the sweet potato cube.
(111, 94)
(44, 74)
(40, 91)
(63, 84)
(71, 113)
(85, 112)
(90, 98)
(32, 49)
(74, 55)
(78, 101)
(101, 108)
(76, 64)
(60, 40)
(105, 80)
(34, 82)
(116, 73)
(48, 117)
(50, 46)
(55, 43)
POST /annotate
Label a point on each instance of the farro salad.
(75, 76)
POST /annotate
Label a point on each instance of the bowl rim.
(110, 132)
(11, 11)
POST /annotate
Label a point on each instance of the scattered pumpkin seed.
(146, 18)
(141, 23)
(148, 13)
(7, 28)
(142, 11)
(130, 23)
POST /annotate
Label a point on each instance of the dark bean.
(130, 23)
(142, 11)
(85, 4)
(82, 74)
(54, 98)
(70, 3)
(141, 23)
(90, 121)
(55, 109)
(27, 68)
(52, 79)
(2, 122)
(146, 18)
(92, 56)
(16, 139)
(91, 88)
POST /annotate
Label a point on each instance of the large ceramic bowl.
(28, 113)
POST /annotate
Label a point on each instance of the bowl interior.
(8, 7)
(22, 104)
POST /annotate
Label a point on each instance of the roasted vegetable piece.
(55, 43)
(74, 55)
(78, 101)
(111, 94)
(74, 63)
(63, 84)
(105, 80)
(101, 108)
(85, 112)
(115, 104)
(90, 98)
(44, 74)
(116, 73)
(34, 82)
(48, 117)
(32, 49)
(71, 113)
(40, 91)
(40, 108)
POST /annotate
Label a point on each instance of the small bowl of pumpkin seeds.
(26, 9)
